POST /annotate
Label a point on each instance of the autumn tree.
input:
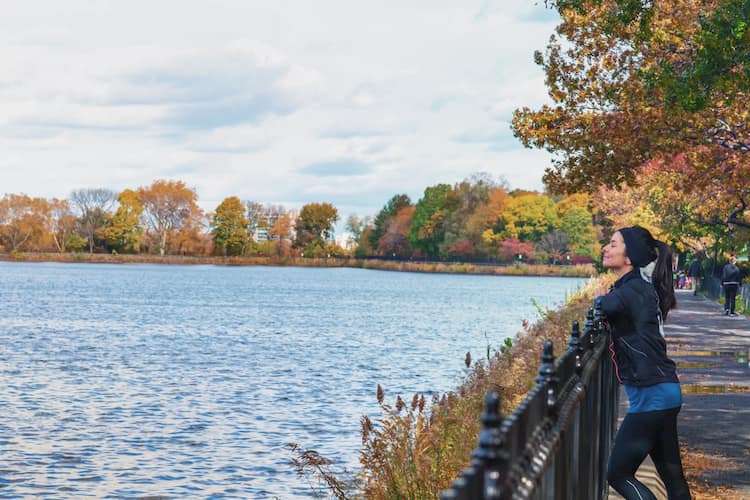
(634, 83)
(229, 226)
(576, 222)
(361, 230)
(528, 216)
(355, 226)
(315, 226)
(168, 206)
(93, 207)
(62, 227)
(395, 240)
(382, 219)
(22, 221)
(554, 245)
(193, 237)
(712, 62)
(462, 201)
(427, 231)
(481, 224)
(280, 232)
(690, 220)
(124, 231)
(512, 249)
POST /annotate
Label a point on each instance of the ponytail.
(662, 279)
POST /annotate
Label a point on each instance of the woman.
(635, 307)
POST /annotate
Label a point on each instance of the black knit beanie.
(640, 246)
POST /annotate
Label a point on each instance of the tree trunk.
(163, 243)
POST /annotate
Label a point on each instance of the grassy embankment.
(417, 447)
(385, 265)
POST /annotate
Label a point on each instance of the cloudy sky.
(289, 102)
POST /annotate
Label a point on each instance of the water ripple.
(155, 382)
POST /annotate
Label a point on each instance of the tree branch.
(725, 135)
(732, 219)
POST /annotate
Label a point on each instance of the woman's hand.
(601, 291)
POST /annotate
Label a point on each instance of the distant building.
(267, 219)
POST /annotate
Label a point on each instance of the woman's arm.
(612, 302)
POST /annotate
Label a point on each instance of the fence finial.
(547, 375)
(547, 370)
(575, 336)
(490, 443)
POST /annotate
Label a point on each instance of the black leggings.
(650, 433)
(730, 294)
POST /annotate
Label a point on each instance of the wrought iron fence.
(555, 445)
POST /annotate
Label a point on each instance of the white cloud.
(267, 101)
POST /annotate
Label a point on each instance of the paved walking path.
(711, 352)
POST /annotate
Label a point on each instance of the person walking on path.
(695, 271)
(730, 281)
(635, 307)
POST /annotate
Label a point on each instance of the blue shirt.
(662, 396)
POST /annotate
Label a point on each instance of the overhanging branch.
(728, 136)
(737, 212)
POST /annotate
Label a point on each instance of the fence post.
(574, 472)
(590, 327)
(547, 375)
(608, 403)
(575, 345)
(490, 454)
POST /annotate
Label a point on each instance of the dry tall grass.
(415, 450)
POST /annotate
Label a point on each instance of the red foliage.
(579, 259)
(511, 248)
(463, 248)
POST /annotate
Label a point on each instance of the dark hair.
(645, 249)
(662, 279)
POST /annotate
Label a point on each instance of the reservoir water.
(134, 381)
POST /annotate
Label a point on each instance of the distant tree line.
(477, 219)
(163, 219)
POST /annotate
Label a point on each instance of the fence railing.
(556, 443)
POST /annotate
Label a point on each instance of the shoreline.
(568, 271)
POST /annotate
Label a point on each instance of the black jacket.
(695, 270)
(730, 275)
(640, 352)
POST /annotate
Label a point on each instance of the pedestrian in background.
(730, 280)
(695, 271)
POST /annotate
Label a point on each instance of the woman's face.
(614, 253)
